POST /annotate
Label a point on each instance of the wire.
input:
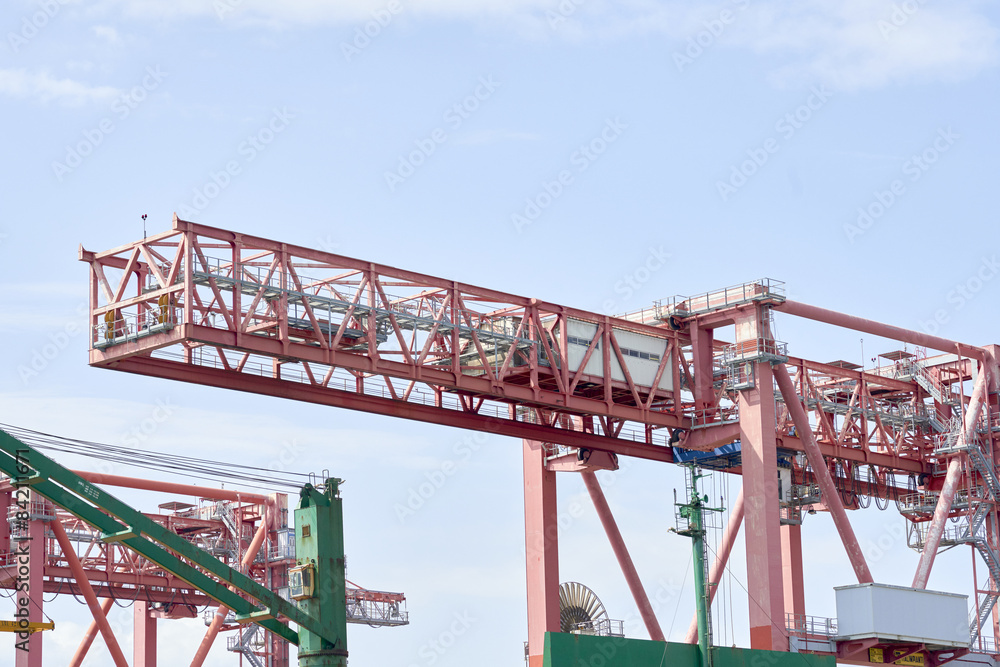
(188, 467)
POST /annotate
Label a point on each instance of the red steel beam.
(822, 474)
(88, 636)
(88, 594)
(621, 553)
(171, 487)
(878, 328)
(951, 480)
(386, 406)
(721, 560)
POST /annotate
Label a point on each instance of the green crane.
(319, 610)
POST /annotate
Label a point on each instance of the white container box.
(895, 613)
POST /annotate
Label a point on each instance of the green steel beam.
(89, 503)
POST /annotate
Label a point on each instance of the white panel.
(902, 614)
(643, 371)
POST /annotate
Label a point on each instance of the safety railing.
(757, 290)
(803, 625)
(126, 327)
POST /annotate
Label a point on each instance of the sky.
(599, 155)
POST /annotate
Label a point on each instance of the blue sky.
(542, 148)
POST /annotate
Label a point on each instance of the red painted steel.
(220, 614)
(828, 489)
(541, 545)
(143, 636)
(88, 594)
(621, 553)
(219, 308)
(947, 497)
(760, 473)
(791, 566)
(89, 635)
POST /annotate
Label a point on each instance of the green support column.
(694, 512)
(319, 552)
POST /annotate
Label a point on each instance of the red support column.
(791, 567)
(88, 636)
(702, 357)
(951, 480)
(827, 488)
(144, 638)
(541, 546)
(763, 535)
(88, 594)
(621, 553)
(35, 544)
(222, 611)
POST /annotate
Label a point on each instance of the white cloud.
(21, 84)
(107, 33)
(856, 44)
(820, 41)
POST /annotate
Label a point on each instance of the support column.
(144, 638)
(88, 594)
(34, 545)
(88, 636)
(721, 560)
(541, 545)
(703, 358)
(763, 535)
(791, 567)
(828, 489)
(621, 553)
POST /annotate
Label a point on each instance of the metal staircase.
(244, 641)
(972, 528)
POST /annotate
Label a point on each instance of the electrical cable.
(189, 467)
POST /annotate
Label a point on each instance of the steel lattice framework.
(225, 309)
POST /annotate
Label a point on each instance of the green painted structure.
(568, 650)
(322, 619)
(319, 541)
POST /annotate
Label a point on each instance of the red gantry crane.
(692, 374)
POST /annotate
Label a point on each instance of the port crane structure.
(691, 374)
